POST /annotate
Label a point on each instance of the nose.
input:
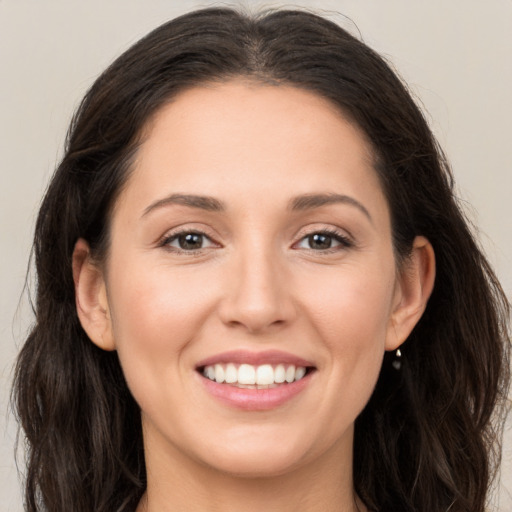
(257, 296)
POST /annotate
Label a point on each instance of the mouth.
(248, 376)
(255, 381)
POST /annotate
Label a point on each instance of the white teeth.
(231, 373)
(265, 375)
(247, 375)
(279, 374)
(219, 373)
(290, 373)
(300, 372)
(210, 372)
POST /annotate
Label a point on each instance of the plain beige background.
(455, 55)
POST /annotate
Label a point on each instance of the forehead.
(230, 138)
(222, 109)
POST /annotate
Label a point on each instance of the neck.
(179, 483)
(230, 494)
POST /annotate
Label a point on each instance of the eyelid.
(344, 239)
(173, 234)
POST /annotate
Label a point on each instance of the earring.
(397, 363)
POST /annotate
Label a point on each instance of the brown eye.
(319, 241)
(188, 241)
(324, 241)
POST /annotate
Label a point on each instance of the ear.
(91, 297)
(413, 288)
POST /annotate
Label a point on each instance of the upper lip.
(255, 358)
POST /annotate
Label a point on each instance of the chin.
(257, 456)
(257, 465)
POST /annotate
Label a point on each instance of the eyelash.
(166, 241)
(344, 241)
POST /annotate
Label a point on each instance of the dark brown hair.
(427, 440)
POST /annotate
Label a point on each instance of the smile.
(254, 377)
(255, 381)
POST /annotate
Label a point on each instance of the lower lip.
(255, 399)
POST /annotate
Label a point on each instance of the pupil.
(319, 241)
(190, 241)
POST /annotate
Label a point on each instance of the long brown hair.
(427, 440)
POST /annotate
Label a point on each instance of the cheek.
(152, 307)
(153, 323)
(352, 307)
(155, 316)
(351, 315)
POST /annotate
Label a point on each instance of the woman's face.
(252, 243)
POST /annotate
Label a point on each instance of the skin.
(257, 283)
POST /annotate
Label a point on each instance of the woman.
(256, 290)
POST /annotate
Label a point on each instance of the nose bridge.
(256, 297)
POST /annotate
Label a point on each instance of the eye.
(324, 241)
(188, 241)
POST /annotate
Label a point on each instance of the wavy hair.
(428, 440)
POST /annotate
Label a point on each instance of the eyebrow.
(311, 201)
(192, 201)
(299, 203)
